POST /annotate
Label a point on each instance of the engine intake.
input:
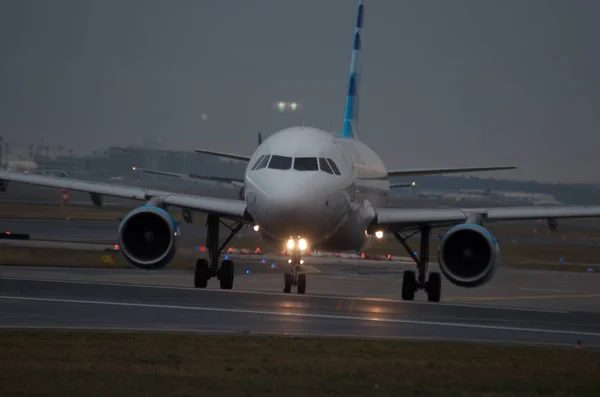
(468, 255)
(148, 237)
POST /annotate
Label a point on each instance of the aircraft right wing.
(194, 177)
(403, 218)
(228, 208)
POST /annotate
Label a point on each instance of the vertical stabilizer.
(351, 110)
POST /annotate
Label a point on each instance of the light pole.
(289, 107)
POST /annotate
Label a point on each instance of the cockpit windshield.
(280, 162)
(324, 166)
(263, 163)
(277, 162)
(306, 164)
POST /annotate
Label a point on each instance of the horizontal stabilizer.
(225, 155)
(401, 185)
(439, 171)
(193, 177)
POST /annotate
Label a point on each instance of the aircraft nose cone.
(287, 211)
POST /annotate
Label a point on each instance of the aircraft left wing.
(439, 171)
(232, 209)
(193, 177)
(399, 218)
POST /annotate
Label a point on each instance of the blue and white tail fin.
(351, 110)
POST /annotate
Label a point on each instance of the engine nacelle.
(148, 237)
(468, 255)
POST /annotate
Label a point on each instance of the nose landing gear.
(294, 277)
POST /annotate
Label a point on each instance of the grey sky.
(444, 83)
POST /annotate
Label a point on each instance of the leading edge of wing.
(225, 207)
(225, 155)
(433, 216)
(439, 171)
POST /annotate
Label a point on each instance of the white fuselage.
(289, 197)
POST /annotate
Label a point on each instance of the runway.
(131, 299)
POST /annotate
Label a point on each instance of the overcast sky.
(444, 83)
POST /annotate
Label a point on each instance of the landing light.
(291, 243)
(302, 244)
(302, 261)
(379, 234)
(256, 228)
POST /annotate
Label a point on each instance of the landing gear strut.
(411, 282)
(294, 277)
(206, 270)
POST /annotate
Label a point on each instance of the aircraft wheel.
(434, 287)
(409, 285)
(201, 274)
(226, 274)
(301, 283)
(287, 283)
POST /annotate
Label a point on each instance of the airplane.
(308, 189)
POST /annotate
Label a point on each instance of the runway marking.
(287, 334)
(306, 315)
(558, 291)
(290, 296)
(525, 297)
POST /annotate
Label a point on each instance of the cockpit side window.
(334, 167)
(280, 162)
(257, 162)
(306, 164)
(324, 166)
(264, 162)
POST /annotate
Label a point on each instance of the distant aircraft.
(20, 165)
(309, 189)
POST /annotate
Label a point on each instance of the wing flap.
(439, 171)
(235, 209)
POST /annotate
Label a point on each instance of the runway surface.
(162, 300)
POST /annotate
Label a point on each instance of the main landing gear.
(411, 282)
(205, 269)
(294, 277)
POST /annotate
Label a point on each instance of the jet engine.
(468, 255)
(148, 237)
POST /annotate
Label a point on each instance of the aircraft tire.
(226, 274)
(201, 274)
(287, 283)
(301, 283)
(409, 285)
(434, 287)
